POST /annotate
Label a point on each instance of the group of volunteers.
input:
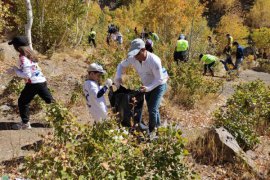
(148, 66)
(210, 60)
(140, 56)
(153, 76)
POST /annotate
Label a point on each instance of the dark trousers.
(228, 61)
(209, 67)
(27, 95)
(93, 41)
(180, 56)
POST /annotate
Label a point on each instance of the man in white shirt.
(153, 76)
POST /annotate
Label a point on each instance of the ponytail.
(26, 51)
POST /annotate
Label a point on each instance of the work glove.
(117, 82)
(108, 83)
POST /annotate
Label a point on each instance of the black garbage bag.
(122, 101)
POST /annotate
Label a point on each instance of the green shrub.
(264, 65)
(188, 84)
(105, 151)
(15, 85)
(246, 113)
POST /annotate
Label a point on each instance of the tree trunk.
(83, 23)
(28, 26)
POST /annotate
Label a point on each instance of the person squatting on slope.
(181, 49)
(153, 76)
(35, 80)
(228, 64)
(154, 36)
(94, 92)
(209, 61)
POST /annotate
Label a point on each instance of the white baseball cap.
(94, 67)
(136, 46)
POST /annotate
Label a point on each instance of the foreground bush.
(246, 113)
(105, 151)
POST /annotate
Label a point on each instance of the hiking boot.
(21, 125)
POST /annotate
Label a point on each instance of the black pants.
(228, 61)
(93, 41)
(209, 67)
(180, 56)
(27, 95)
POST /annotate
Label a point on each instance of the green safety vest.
(154, 37)
(182, 45)
(231, 40)
(208, 59)
(92, 34)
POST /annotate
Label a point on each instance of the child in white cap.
(94, 92)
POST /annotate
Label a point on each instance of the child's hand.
(108, 83)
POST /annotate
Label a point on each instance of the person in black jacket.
(239, 55)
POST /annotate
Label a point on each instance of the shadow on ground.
(33, 147)
(8, 125)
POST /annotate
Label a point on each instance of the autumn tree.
(56, 22)
(223, 5)
(28, 25)
(259, 15)
(232, 24)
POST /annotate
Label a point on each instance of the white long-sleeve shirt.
(97, 106)
(29, 70)
(150, 71)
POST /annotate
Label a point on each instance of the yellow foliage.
(260, 15)
(221, 4)
(166, 16)
(94, 13)
(232, 24)
(171, 17)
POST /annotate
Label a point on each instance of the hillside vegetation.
(73, 148)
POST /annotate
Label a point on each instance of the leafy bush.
(261, 37)
(105, 151)
(246, 113)
(4, 16)
(15, 85)
(188, 84)
(264, 65)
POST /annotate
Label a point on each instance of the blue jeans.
(238, 63)
(153, 99)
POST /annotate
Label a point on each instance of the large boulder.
(218, 146)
